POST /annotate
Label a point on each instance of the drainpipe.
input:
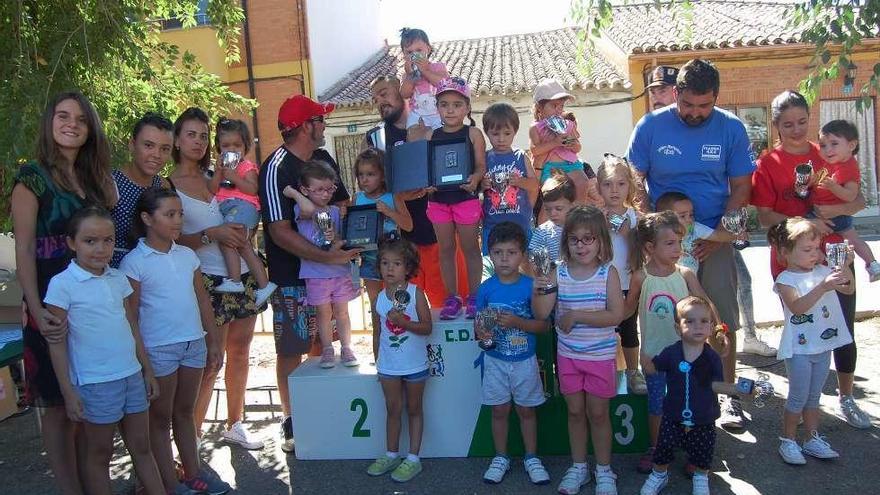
(252, 92)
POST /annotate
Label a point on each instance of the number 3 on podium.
(625, 413)
(358, 431)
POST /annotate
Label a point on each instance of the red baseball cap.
(298, 109)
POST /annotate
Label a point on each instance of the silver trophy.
(763, 390)
(540, 259)
(324, 223)
(835, 254)
(559, 126)
(803, 173)
(500, 183)
(229, 160)
(487, 319)
(416, 73)
(616, 221)
(736, 222)
(401, 300)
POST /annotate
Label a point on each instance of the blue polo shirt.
(697, 161)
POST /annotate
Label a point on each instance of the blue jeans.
(744, 295)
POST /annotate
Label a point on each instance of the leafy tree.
(111, 51)
(834, 27)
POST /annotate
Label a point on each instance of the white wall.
(353, 36)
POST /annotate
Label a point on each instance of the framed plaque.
(363, 227)
(407, 167)
(451, 163)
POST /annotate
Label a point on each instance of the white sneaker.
(731, 414)
(497, 469)
(536, 471)
(853, 413)
(230, 285)
(819, 448)
(754, 345)
(700, 484)
(237, 435)
(654, 484)
(262, 295)
(791, 452)
(635, 382)
(606, 483)
(573, 479)
(873, 271)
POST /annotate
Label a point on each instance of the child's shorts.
(467, 212)
(106, 403)
(597, 378)
(370, 266)
(166, 359)
(566, 167)
(329, 290)
(418, 376)
(698, 441)
(237, 210)
(656, 392)
(841, 222)
(517, 380)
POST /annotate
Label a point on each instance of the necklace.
(686, 413)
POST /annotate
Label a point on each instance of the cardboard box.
(8, 394)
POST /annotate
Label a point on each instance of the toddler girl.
(102, 369)
(457, 211)
(173, 313)
(370, 174)
(422, 78)
(838, 142)
(550, 149)
(617, 188)
(328, 287)
(589, 304)
(400, 348)
(239, 204)
(814, 326)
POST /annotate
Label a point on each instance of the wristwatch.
(205, 239)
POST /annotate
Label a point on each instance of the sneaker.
(606, 483)
(537, 474)
(635, 382)
(731, 414)
(471, 309)
(573, 479)
(230, 285)
(819, 448)
(406, 471)
(287, 435)
(497, 469)
(791, 452)
(384, 465)
(646, 462)
(451, 308)
(348, 357)
(207, 483)
(754, 345)
(262, 295)
(655, 483)
(853, 413)
(328, 358)
(237, 435)
(873, 271)
(701, 484)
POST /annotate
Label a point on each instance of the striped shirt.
(584, 342)
(547, 235)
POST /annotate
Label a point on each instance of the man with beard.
(702, 151)
(661, 86)
(301, 122)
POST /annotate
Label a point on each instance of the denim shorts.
(167, 358)
(418, 376)
(656, 392)
(237, 210)
(841, 222)
(106, 403)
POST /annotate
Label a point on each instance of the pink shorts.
(597, 378)
(329, 290)
(465, 213)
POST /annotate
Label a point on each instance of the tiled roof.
(708, 24)
(500, 65)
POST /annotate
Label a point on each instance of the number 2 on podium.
(358, 431)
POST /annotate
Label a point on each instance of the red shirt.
(773, 187)
(842, 173)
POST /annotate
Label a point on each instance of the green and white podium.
(340, 413)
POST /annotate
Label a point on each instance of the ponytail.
(646, 231)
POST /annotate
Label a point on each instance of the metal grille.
(347, 148)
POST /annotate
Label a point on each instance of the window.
(201, 18)
(347, 148)
(756, 122)
(846, 109)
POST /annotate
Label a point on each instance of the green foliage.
(111, 51)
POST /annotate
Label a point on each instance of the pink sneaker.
(328, 357)
(451, 308)
(471, 312)
(348, 357)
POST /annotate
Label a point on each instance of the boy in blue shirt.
(510, 370)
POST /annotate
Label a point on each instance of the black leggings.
(628, 330)
(845, 356)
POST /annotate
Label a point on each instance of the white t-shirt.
(694, 233)
(198, 216)
(401, 352)
(620, 246)
(820, 329)
(169, 310)
(100, 344)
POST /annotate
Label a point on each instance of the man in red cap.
(301, 122)
(660, 86)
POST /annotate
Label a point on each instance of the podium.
(340, 413)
